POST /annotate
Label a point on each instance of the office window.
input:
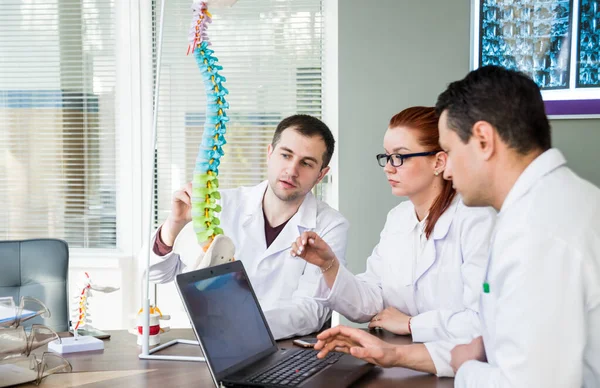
(57, 124)
(271, 51)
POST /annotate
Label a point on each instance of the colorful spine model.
(205, 183)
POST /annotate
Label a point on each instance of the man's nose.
(292, 168)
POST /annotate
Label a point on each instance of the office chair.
(37, 268)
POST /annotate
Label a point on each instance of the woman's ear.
(440, 163)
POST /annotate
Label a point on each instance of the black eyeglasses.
(398, 159)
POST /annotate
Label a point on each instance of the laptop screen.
(227, 319)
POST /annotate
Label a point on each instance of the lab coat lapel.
(440, 231)
(252, 220)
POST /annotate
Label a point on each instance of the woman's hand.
(391, 320)
(313, 249)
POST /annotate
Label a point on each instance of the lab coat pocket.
(294, 267)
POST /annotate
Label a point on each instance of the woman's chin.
(399, 191)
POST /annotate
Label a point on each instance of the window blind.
(57, 124)
(271, 52)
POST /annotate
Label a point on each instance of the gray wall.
(579, 141)
(404, 55)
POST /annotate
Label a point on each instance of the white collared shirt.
(420, 235)
(437, 285)
(541, 316)
(283, 284)
(420, 240)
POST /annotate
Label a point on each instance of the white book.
(8, 314)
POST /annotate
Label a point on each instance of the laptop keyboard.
(294, 370)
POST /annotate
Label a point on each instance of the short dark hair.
(507, 99)
(308, 126)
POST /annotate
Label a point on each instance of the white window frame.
(133, 126)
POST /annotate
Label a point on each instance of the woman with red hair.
(425, 275)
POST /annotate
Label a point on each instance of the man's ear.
(484, 134)
(269, 151)
(440, 162)
(322, 174)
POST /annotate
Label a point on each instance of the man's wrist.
(170, 230)
(160, 248)
(400, 356)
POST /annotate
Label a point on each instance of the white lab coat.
(541, 317)
(440, 289)
(283, 284)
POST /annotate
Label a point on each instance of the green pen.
(486, 288)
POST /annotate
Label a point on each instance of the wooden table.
(119, 366)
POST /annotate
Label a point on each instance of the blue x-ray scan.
(588, 63)
(532, 36)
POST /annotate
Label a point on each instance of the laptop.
(237, 342)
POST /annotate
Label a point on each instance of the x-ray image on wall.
(588, 58)
(533, 36)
